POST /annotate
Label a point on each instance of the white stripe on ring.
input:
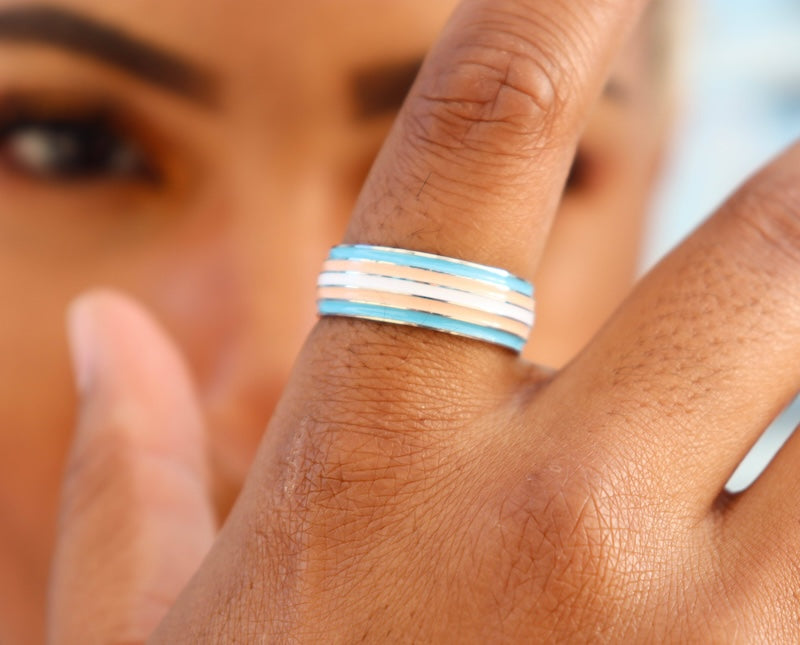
(412, 288)
(427, 276)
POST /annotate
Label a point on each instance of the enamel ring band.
(405, 287)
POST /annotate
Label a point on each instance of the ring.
(424, 290)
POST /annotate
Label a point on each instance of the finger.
(705, 352)
(476, 163)
(136, 518)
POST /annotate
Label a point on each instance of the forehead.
(276, 57)
(273, 32)
(284, 58)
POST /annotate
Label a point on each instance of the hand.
(418, 487)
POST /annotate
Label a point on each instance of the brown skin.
(253, 192)
(402, 495)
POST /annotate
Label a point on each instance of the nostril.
(578, 173)
(586, 173)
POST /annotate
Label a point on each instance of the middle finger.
(704, 354)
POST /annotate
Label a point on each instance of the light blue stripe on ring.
(420, 318)
(433, 263)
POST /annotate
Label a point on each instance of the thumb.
(136, 517)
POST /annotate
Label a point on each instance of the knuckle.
(563, 547)
(497, 91)
(583, 548)
(347, 482)
(345, 472)
(357, 497)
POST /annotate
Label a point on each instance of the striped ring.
(425, 290)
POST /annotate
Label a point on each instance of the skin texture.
(400, 495)
(223, 251)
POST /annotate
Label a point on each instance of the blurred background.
(739, 106)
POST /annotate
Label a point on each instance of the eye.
(70, 148)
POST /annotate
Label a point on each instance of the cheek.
(37, 399)
(229, 318)
(199, 297)
(226, 314)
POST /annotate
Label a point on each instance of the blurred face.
(203, 156)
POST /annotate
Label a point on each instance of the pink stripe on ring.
(430, 277)
(417, 303)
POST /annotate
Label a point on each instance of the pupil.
(68, 149)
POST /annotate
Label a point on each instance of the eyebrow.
(65, 29)
(382, 88)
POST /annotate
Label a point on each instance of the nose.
(276, 237)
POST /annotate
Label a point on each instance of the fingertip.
(125, 362)
(80, 335)
(85, 329)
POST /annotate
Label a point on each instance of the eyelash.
(68, 144)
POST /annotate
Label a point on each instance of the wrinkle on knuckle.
(358, 504)
(498, 93)
(555, 542)
(579, 548)
(347, 481)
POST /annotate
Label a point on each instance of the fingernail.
(80, 332)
